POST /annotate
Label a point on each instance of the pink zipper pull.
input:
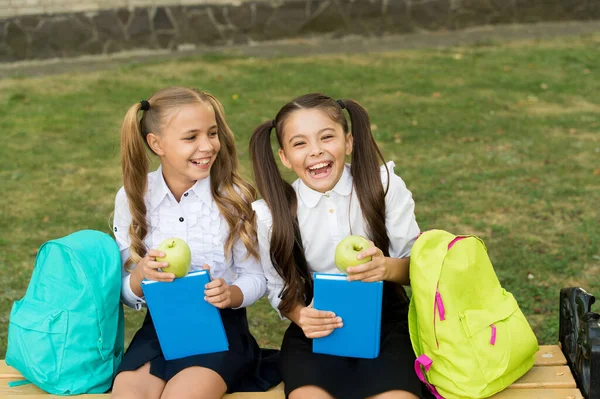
(493, 339)
(440, 305)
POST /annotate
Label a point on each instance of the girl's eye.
(327, 136)
(190, 138)
(213, 134)
(297, 144)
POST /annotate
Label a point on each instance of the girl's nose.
(204, 144)
(316, 150)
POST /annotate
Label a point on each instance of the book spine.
(378, 324)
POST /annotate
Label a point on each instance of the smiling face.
(314, 146)
(187, 145)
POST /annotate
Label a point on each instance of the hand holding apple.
(347, 251)
(374, 270)
(318, 323)
(148, 267)
(177, 255)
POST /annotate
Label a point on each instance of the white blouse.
(197, 220)
(326, 218)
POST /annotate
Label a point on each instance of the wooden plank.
(7, 371)
(538, 394)
(550, 355)
(30, 391)
(546, 377)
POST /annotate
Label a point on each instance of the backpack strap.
(425, 362)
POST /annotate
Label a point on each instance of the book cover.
(359, 305)
(185, 323)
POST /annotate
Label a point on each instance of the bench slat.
(538, 394)
(550, 355)
(546, 377)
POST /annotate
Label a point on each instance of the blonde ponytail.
(135, 165)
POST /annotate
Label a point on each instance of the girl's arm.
(402, 230)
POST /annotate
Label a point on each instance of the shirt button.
(181, 219)
(115, 229)
(326, 195)
(185, 195)
(331, 211)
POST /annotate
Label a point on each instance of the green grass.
(502, 141)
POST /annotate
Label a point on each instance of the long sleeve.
(274, 281)
(122, 220)
(250, 278)
(400, 221)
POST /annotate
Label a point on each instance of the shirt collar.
(311, 197)
(159, 190)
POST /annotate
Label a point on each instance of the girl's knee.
(394, 395)
(309, 392)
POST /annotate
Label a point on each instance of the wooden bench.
(550, 378)
(570, 370)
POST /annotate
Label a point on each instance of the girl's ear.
(286, 162)
(154, 143)
(349, 143)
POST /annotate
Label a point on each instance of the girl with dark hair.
(197, 195)
(299, 226)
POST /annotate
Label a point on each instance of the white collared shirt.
(195, 219)
(326, 218)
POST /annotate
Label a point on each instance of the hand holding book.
(220, 294)
(318, 323)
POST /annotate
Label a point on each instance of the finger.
(315, 313)
(159, 276)
(360, 268)
(205, 267)
(214, 291)
(216, 299)
(219, 302)
(322, 323)
(367, 252)
(318, 334)
(216, 283)
(153, 253)
(373, 279)
(151, 264)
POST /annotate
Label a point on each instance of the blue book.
(359, 305)
(185, 323)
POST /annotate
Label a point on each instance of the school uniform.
(195, 219)
(324, 220)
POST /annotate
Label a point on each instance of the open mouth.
(320, 169)
(200, 162)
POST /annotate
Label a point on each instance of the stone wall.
(174, 26)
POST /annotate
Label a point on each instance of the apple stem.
(172, 244)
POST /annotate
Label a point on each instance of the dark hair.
(281, 197)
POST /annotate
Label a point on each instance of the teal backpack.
(470, 338)
(67, 333)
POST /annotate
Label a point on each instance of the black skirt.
(244, 367)
(354, 378)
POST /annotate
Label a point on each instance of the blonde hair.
(232, 194)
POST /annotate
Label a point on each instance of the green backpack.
(467, 332)
(67, 333)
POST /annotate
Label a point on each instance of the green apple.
(177, 254)
(347, 250)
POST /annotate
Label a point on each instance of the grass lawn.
(497, 140)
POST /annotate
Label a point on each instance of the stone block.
(139, 30)
(109, 26)
(165, 40)
(17, 40)
(202, 30)
(286, 20)
(326, 16)
(161, 20)
(430, 14)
